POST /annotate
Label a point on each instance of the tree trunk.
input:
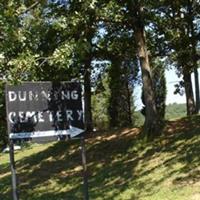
(197, 93)
(115, 87)
(159, 84)
(151, 120)
(189, 92)
(194, 53)
(129, 96)
(87, 96)
(119, 108)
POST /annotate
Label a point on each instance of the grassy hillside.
(120, 167)
(173, 111)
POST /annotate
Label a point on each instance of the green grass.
(172, 112)
(120, 167)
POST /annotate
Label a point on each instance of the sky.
(171, 80)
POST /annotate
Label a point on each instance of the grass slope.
(120, 167)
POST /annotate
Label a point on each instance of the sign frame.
(72, 132)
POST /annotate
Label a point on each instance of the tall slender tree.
(137, 13)
(176, 31)
(192, 12)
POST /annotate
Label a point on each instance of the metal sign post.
(15, 193)
(13, 171)
(85, 174)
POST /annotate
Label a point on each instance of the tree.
(73, 27)
(117, 47)
(191, 18)
(175, 28)
(100, 98)
(120, 105)
(159, 84)
(136, 11)
(10, 42)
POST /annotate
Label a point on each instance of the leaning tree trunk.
(189, 92)
(151, 120)
(87, 96)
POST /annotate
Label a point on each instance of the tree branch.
(30, 7)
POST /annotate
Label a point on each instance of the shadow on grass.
(114, 166)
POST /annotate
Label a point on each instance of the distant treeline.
(173, 111)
